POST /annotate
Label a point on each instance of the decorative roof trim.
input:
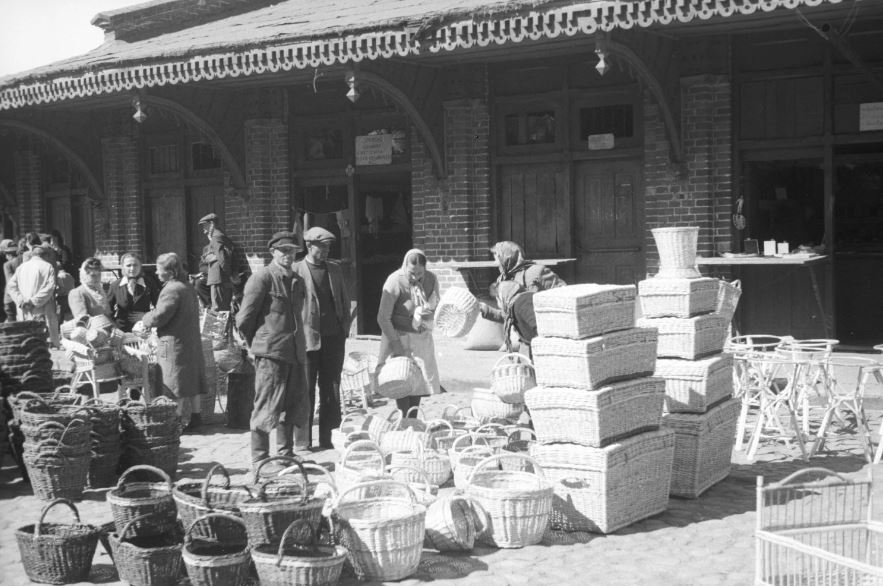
(584, 18)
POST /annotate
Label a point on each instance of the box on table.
(596, 418)
(691, 386)
(677, 297)
(688, 338)
(583, 311)
(594, 362)
(605, 489)
(703, 447)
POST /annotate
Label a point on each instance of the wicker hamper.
(591, 363)
(596, 418)
(583, 311)
(703, 448)
(677, 297)
(399, 377)
(688, 338)
(299, 562)
(677, 251)
(153, 560)
(605, 489)
(691, 386)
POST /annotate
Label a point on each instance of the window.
(163, 159)
(615, 119)
(529, 126)
(203, 157)
(321, 144)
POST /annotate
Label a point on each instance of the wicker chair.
(357, 381)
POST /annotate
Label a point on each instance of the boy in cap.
(270, 320)
(216, 263)
(326, 318)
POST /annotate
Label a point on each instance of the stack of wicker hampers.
(597, 410)
(681, 305)
(151, 434)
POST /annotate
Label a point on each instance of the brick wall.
(119, 223)
(29, 190)
(704, 196)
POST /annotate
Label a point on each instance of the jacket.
(9, 270)
(217, 260)
(83, 303)
(310, 313)
(270, 315)
(127, 310)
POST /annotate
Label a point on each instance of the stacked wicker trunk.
(597, 409)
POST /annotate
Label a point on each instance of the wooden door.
(535, 209)
(168, 230)
(82, 242)
(58, 214)
(204, 199)
(608, 222)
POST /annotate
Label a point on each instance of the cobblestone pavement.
(708, 540)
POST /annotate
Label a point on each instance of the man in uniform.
(270, 321)
(326, 317)
(216, 264)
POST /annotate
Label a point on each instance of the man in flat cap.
(326, 317)
(217, 264)
(270, 320)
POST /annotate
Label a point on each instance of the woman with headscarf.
(89, 299)
(516, 306)
(407, 306)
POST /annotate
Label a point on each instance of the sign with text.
(870, 116)
(601, 142)
(374, 149)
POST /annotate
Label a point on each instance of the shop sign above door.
(870, 116)
(374, 149)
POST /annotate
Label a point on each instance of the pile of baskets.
(151, 434)
(25, 362)
(93, 344)
(105, 442)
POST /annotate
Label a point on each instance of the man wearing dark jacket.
(270, 321)
(217, 264)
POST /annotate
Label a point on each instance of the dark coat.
(270, 315)
(9, 270)
(310, 313)
(127, 310)
(217, 260)
(179, 354)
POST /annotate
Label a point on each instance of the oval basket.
(486, 406)
(150, 500)
(511, 376)
(399, 377)
(217, 563)
(450, 524)
(456, 313)
(293, 562)
(197, 498)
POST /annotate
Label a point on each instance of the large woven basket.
(585, 310)
(456, 313)
(677, 297)
(677, 251)
(56, 553)
(595, 362)
(688, 338)
(703, 448)
(604, 489)
(217, 563)
(487, 406)
(465, 458)
(160, 411)
(399, 377)
(450, 524)
(692, 386)
(362, 459)
(54, 475)
(299, 562)
(196, 498)
(516, 504)
(383, 530)
(151, 500)
(434, 464)
(511, 376)
(153, 560)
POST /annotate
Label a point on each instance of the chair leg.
(740, 426)
(798, 432)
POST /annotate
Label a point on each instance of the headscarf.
(510, 256)
(418, 293)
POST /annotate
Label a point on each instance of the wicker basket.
(376, 425)
(516, 444)
(464, 457)
(75, 434)
(692, 386)
(217, 563)
(37, 411)
(401, 440)
(163, 456)
(516, 504)
(103, 468)
(151, 500)
(159, 412)
(53, 475)
(592, 363)
(584, 311)
(511, 375)
(460, 417)
(399, 377)
(677, 251)
(487, 406)
(434, 464)
(55, 553)
(604, 489)
(383, 532)
(153, 560)
(294, 563)
(596, 418)
(450, 524)
(456, 313)
(360, 460)
(728, 294)
(416, 478)
(688, 338)
(677, 297)
(196, 498)
(442, 434)
(703, 448)
(417, 422)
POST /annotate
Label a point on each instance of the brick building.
(449, 125)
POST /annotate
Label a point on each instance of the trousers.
(323, 367)
(280, 403)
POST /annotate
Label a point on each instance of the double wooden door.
(174, 213)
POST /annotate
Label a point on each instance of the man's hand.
(482, 307)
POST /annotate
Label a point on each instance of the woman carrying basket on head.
(407, 305)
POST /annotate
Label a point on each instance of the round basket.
(517, 444)
(53, 475)
(399, 377)
(677, 251)
(442, 434)
(162, 456)
(197, 498)
(486, 406)
(424, 491)
(352, 423)
(299, 562)
(147, 560)
(377, 425)
(450, 524)
(456, 313)
(436, 466)
(517, 505)
(151, 501)
(105, 417)
(383, 531)
(55, 553)
(160, 412)
(34, 412)
(511, 376)
(467, 459)
(361, 459)
(217, 563)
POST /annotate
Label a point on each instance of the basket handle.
(514, 358)
(79, 423)
(327, 478)
(289, 461)
(496, 428)
(132, 522)
(188, 539)
(421, 415)
(536, 467)
(395, 417)
(430, 425)
(59, 392)
(289, 471)
(515, 434)
(449, 411)
(27, 395)
(312, 546)
(356, 445)
(423, 475)
(121, 483)
(362, 485)
(737, 283)
(472, 437)
(66, 502)
(162, 400)
(205, 483)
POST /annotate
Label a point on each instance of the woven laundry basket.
(604, 489)
(688, 338)
(399, 377)
(691, 386)
(456, 313)
(677, 297)
(511, 375)
(677, 252)
(596, 418)
(703, 448)
(592, 363)
(583, 311)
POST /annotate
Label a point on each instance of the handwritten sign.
(870, 116)
(374, 149)
(601, 142)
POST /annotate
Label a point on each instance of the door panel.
(168, 231)
(609, 225)
(59, 215)
(536, 209)
(204, 199)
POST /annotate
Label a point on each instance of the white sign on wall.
(601, 142)
(870, 116)
(374, 149)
